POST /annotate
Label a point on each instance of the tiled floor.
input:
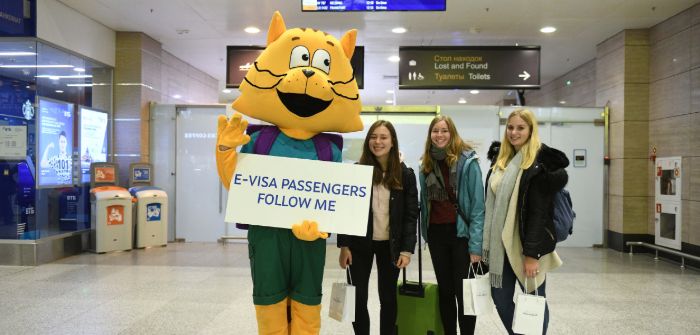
(192, 288)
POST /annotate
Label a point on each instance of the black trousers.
(450, 255)
(387, 274)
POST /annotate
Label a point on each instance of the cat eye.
(322, 60)
(300, 57)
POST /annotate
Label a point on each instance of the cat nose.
(308, 73)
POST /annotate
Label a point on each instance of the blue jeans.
(503, 298)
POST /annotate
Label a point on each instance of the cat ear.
(277, 27)
(348, 42)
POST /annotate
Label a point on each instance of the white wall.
(67, 28)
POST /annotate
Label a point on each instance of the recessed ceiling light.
(226, 90)
(78, 69)
(474, 91)
(568, 83)
(389, 101)
(252, 30)
(398, 30)
(17, 53)
(548, 30)
(59, 91)
(73, 76)
(39, 66)
(394, 59)
(177, 96)
(562, 102)
(462, 101)
(390, 91)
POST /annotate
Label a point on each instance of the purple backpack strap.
(266, 138)
(323, 141)
(263, 144)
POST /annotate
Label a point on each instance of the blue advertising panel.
(12, 16)
(372, 5)
(16, 100)
(17, 18)
(93, 139)
(55, 129)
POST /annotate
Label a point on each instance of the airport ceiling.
(198, 31)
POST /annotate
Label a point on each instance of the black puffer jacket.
(538, 184)
(403, 216)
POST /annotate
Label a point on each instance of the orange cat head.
(303, 82)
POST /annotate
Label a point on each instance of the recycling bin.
(111, 217)
(150, 216)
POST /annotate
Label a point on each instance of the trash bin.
(111, 217)
(151, 216)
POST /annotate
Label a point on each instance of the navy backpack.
(564, 215)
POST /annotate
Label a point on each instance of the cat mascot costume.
(303, 84)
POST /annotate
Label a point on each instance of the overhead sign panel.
(372, 5)
(480, 67)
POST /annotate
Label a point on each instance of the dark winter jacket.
(403, 217)
(538, 184)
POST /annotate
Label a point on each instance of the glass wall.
(43, 90)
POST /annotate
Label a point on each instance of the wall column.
(622, 83)
(137, 81)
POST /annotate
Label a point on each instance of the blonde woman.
(452, 216)
(519, 236)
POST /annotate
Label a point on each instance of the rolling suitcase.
(418, 311)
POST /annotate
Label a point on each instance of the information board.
(479, 67)
(13, 142)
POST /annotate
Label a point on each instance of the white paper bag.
(529, 314)
(342, 307)
(476, 294)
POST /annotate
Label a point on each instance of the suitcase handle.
(410, 288)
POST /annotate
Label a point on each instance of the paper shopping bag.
(342, 307)
(529, 314)
(476, 295)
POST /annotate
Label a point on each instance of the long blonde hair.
(454, 148)
(530, 147)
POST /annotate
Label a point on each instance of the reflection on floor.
(200, 288)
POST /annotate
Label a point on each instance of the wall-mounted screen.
(105, 174)
(372, 5)
(94, 142)
(55, 143)
(241, 58)
(141, 174)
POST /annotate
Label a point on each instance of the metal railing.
(658, 248)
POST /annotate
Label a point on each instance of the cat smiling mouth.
(303, 105)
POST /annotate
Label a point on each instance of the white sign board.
(13, 142)
(280, 192)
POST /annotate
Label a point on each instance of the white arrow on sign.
(524, 75)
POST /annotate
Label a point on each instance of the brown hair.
(392, 176)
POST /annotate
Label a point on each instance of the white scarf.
(496, 211)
